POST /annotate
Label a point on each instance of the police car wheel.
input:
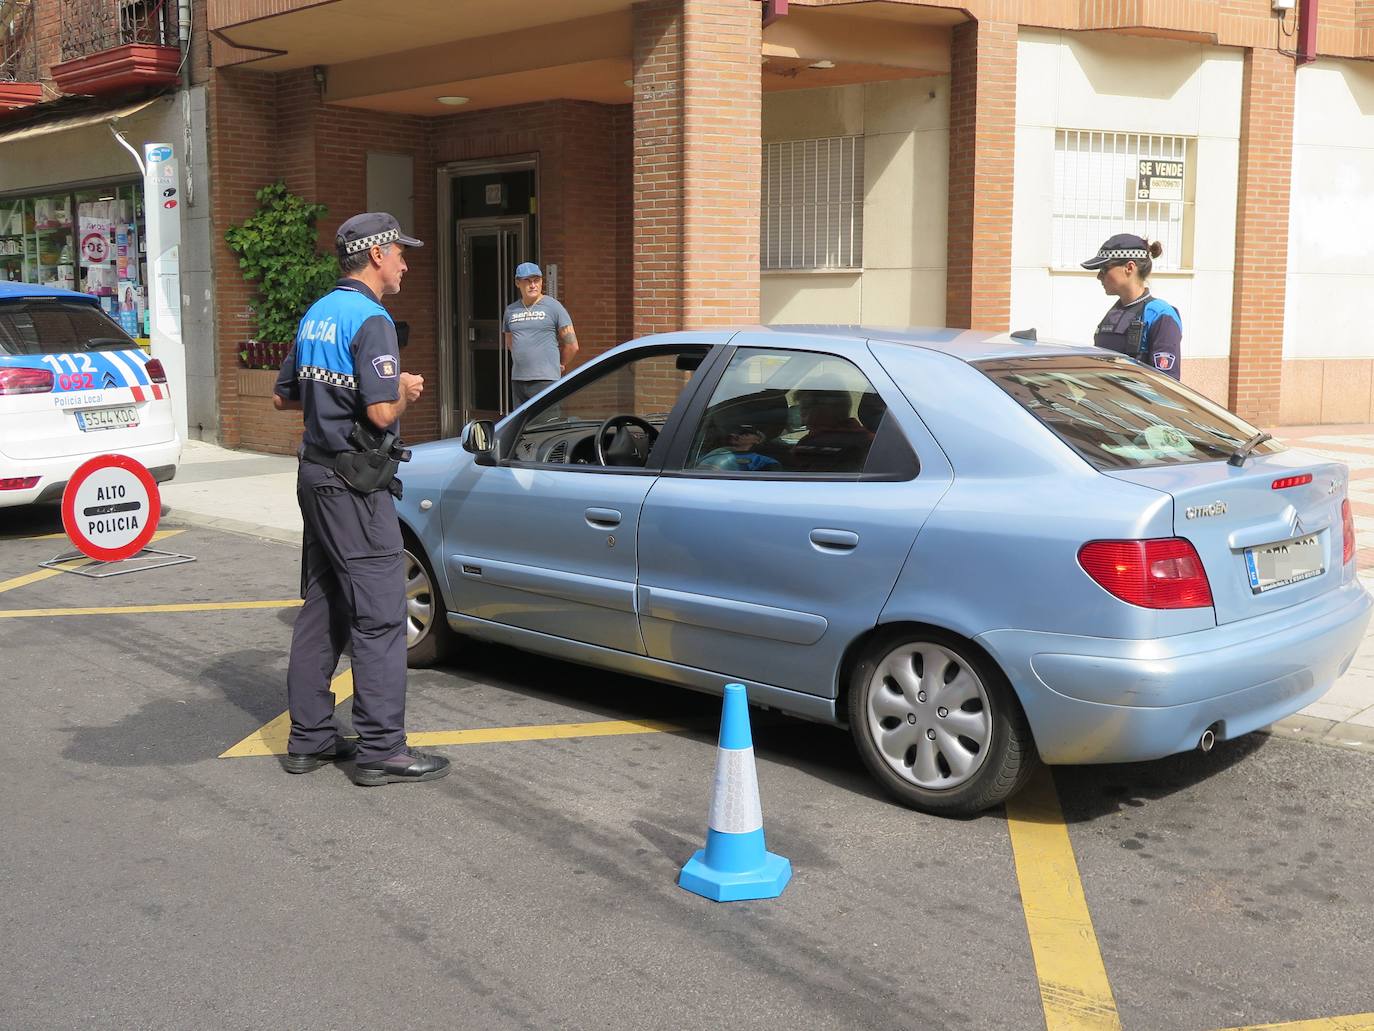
(937, 724)
(428, 636)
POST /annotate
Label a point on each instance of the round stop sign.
(110, 508)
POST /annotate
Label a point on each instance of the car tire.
(429, 638)
(937, 724)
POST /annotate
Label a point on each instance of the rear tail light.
(157, 374)
(1284, 482)
(17, 482)
(1164, 573)
(1347, 533)
(25, 381)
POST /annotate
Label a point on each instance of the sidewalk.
(256, 494)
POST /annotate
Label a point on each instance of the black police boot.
(303, 762)
(405, 767)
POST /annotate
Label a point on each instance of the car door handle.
(602, 518)
(834, 540)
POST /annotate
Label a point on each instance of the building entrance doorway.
(488, 216)
(489, 249)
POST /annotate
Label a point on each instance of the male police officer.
(344, 372)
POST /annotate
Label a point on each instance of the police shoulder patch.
(385, 366)
(1164, 361)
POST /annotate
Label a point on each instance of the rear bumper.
(1098, 700)
(160, 459)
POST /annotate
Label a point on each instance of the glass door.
(488, 250)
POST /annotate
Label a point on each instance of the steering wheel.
(624, 448)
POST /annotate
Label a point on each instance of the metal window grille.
(1095, 195)
(18, 42)
(813, 206)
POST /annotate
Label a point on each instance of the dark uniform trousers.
(353, 583)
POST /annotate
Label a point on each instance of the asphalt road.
(148, 883)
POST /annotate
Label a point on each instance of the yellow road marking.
(78, 563)
(124, 610)
(540, 732)
(1354, 1022)
(270, 739)
(1074, 989)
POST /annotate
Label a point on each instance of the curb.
(1323, 732)
(271, 533)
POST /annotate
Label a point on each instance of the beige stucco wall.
(1100, 81)
(1331, 228)
(905, 125)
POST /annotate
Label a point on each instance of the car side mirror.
(479, 438)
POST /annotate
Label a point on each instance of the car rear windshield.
(1121, 415)
(57, 325)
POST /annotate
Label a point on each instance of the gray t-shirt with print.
(534, 337)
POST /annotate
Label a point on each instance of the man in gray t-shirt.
(539, 333)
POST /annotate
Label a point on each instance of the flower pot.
(256, 382)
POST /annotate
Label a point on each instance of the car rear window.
(57, 325)
(1120, 415)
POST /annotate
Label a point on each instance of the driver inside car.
(738, 454)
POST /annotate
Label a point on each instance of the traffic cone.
(734, 865)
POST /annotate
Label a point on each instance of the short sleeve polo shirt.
(344, 359)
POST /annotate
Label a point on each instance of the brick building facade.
(643, 126)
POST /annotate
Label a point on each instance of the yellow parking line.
(270, 739)
(1354, 1022)
(124, 610)
(1074, 989)
(540, 732)
(79, 563)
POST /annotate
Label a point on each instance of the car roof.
(14, 291)
(969, 345)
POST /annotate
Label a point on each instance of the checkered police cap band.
(1124, 254)
(368, 242)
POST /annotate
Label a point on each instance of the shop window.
(813, 204)
(89, 240)
(1117, 182)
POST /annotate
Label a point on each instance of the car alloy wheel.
(929, 715)
(419, 600)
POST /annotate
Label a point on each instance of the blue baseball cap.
(526, 269)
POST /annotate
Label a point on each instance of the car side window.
(795, 412)
(640, 393)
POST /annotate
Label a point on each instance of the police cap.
(1121, 247)
(370, 229)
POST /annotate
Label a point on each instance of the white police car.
(73, 385)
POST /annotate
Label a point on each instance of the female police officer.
(1138, 324)
(343, 371)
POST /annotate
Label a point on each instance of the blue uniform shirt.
(1148, 330)
(344, 359)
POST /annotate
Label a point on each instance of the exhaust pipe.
(1208, 739)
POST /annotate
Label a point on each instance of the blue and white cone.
(735, 865)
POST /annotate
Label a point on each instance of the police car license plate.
(90, 419)
(1284, 563)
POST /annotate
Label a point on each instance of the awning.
(86, 118)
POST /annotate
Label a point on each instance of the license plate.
(90, 419)
(1284, 563)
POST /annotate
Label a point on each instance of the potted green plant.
(277, 249)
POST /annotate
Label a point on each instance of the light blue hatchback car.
(972, 549)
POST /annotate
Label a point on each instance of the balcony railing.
(18, 42)
(94, 26)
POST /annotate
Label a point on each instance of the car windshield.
(1120, 415)
(57, 325)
